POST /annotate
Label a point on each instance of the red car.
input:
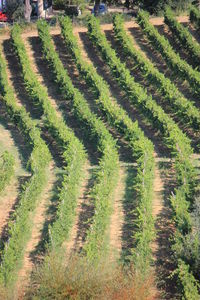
(3, 17)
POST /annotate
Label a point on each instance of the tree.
(40, 8)
(96, 7)
(15, 9)
(27, 11)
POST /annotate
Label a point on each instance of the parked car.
(102, 9)
(3, 17)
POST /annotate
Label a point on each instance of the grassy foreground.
(79, 279)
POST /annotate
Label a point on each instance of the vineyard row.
(180, 67)
(176, 141)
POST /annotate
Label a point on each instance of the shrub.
(158, 6)
(15, 9)
(79, 279)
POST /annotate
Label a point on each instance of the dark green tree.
(158, 6)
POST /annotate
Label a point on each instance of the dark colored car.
(102, 9)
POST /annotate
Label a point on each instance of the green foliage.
(106, 176)
(181, 106)
(141, 147)
(19, 226)
(180, 67)
(176, 140)
(73, 152)
(7, 162)
(188, 281)
(187, 247)
(184, 37)
(195, 17)
(61, 4)
(158, 6)
(15, 9)
(81, 279)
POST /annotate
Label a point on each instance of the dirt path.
(158, 204)
(76, 240)
(164, 225)
(39, 76)
(117, 217)
(56, 30)
(9, 196)
(36, 235)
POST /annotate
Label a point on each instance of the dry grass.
(81, 280)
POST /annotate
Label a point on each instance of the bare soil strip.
(193, 31)
(158, 204)
(56, 30)
(76, 239)
(31, 56)
(9, 196)
(164, 227)
(117, 217)
(37, 226)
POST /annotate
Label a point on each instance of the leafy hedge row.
(106, 176)
(161, 44)
(183, 36)
(20, 225)
(141, 147)
(183, 108)
(73, 152)
(176, 140)
(195, 16)
(7, 162)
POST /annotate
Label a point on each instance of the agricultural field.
(99, 159)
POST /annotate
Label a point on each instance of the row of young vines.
(178, 144)
(142, 150)
(195, 17)
(20, 224)
(106, 175)
(173, 60)
(7, 162)
(180, 105)
(72, 150)
(184, 37)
